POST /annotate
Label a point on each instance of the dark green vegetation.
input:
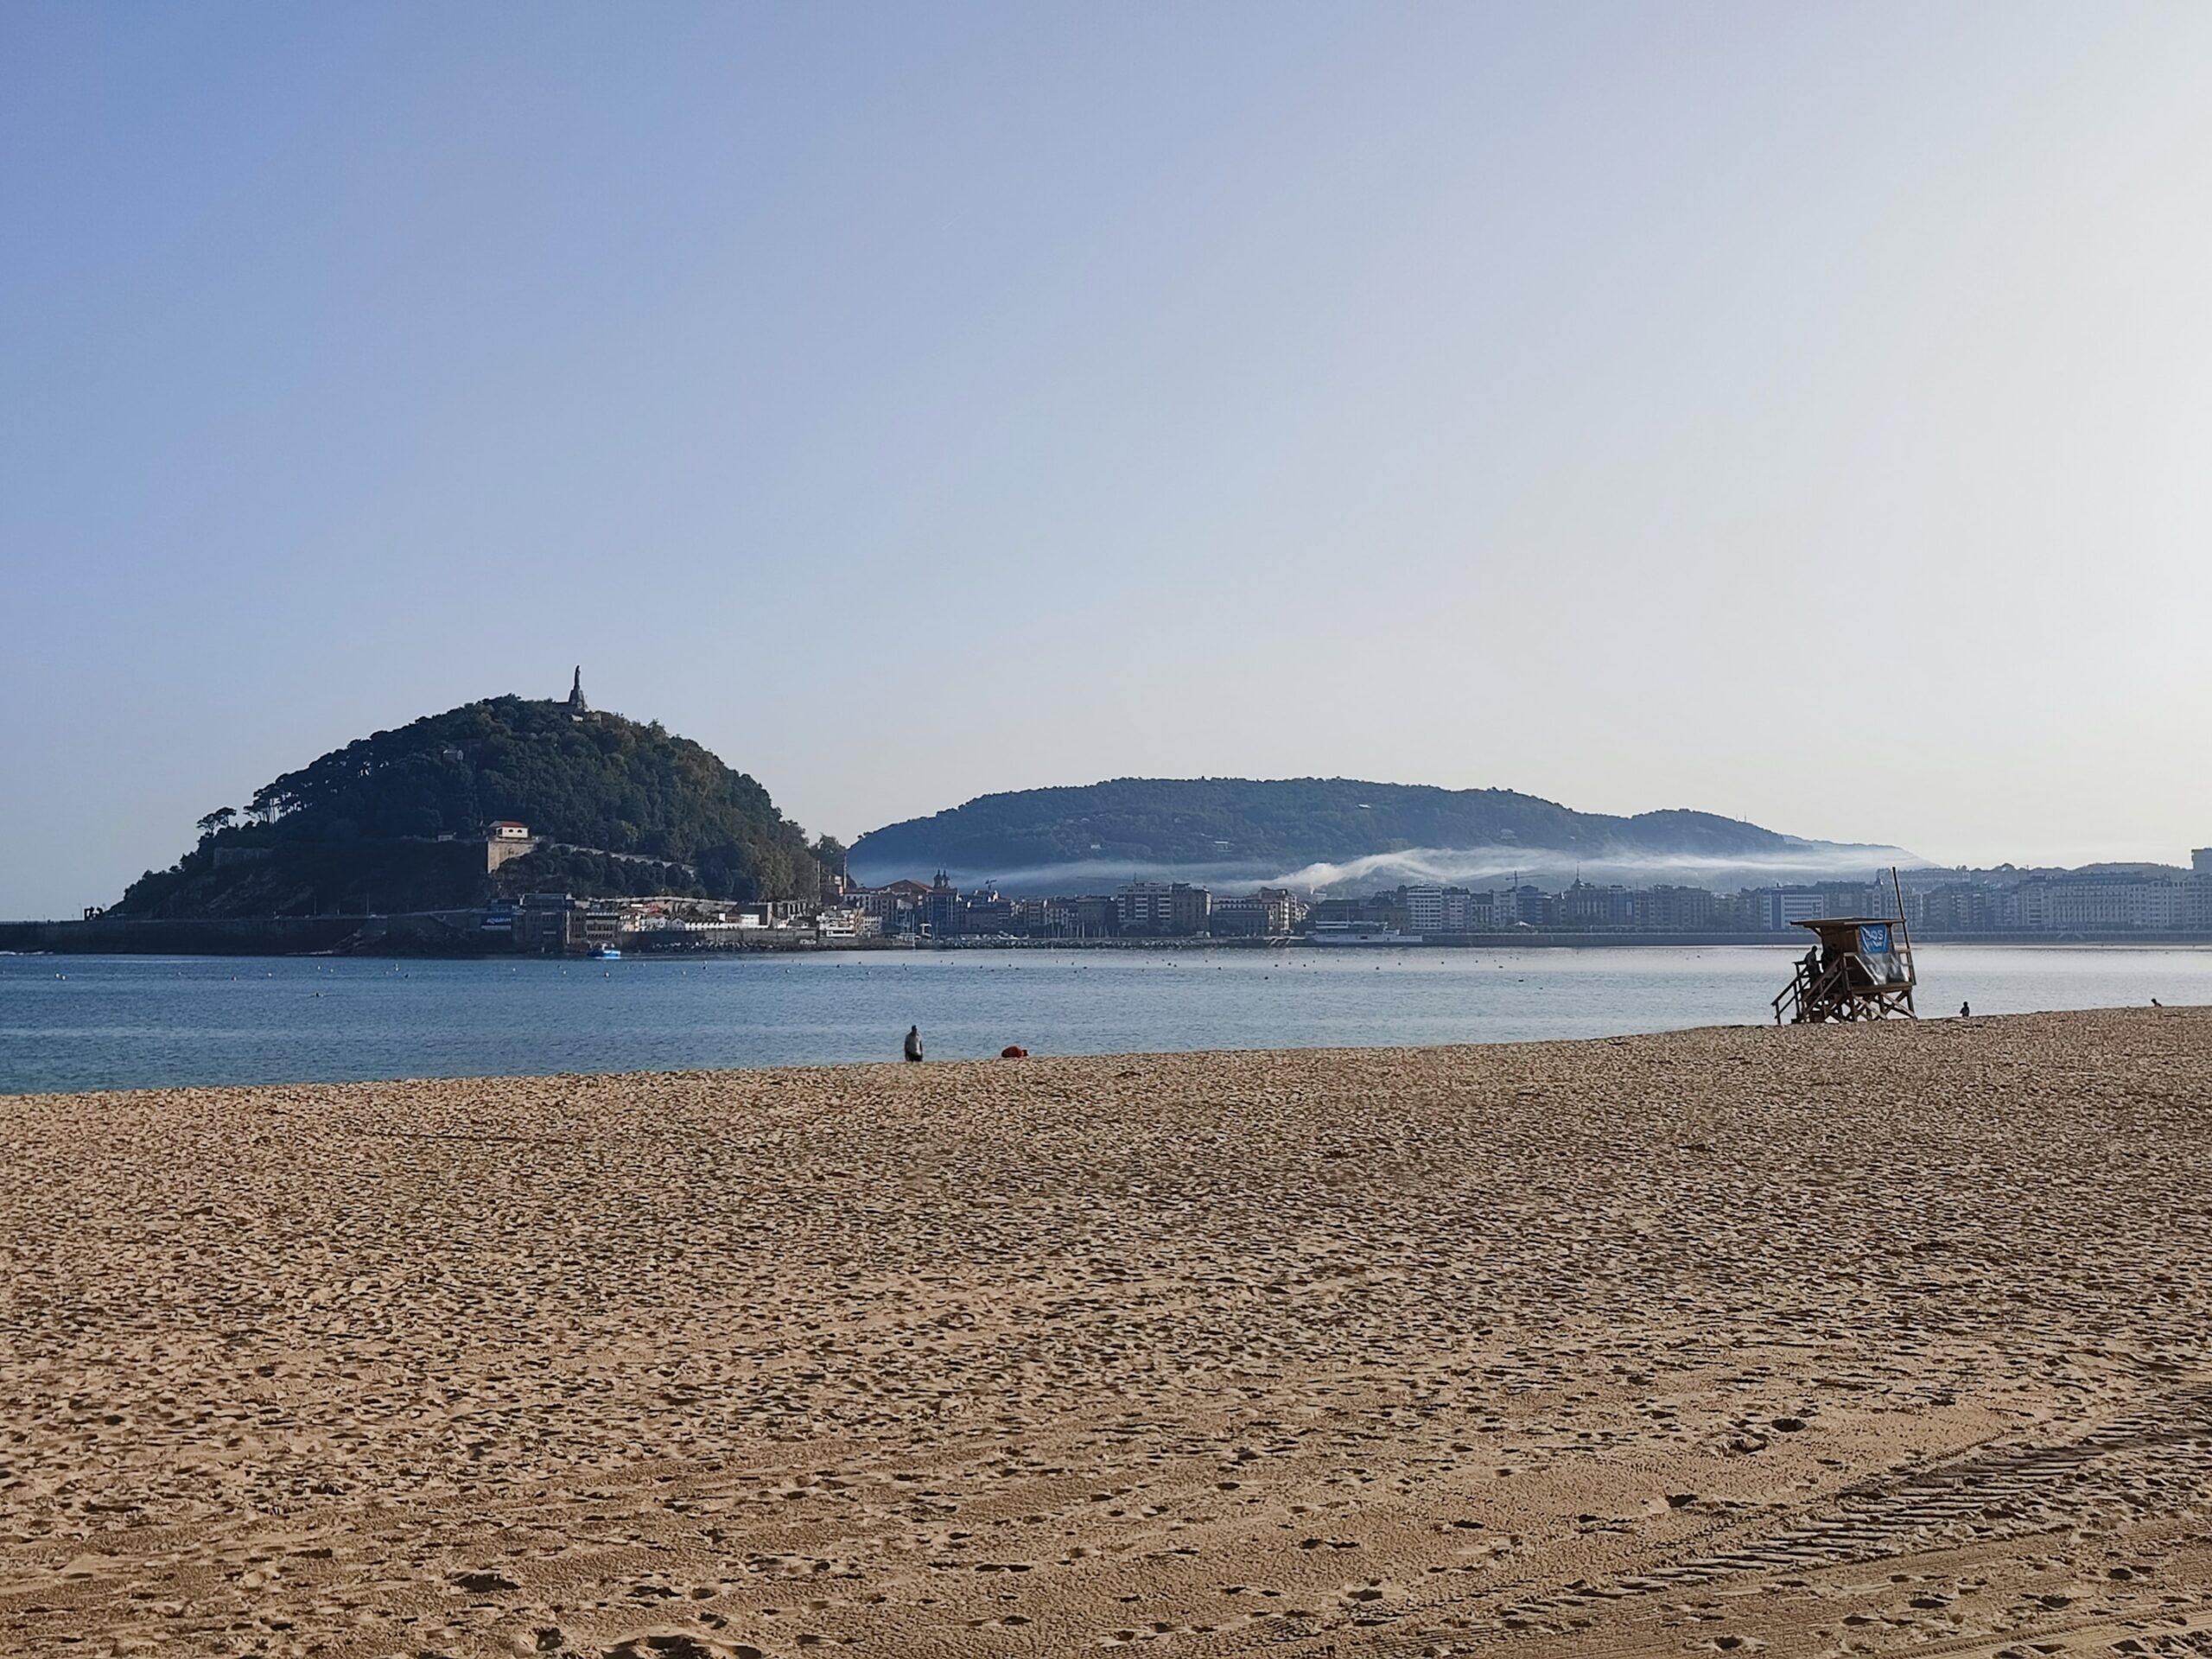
(618, 808)
(1210, 823)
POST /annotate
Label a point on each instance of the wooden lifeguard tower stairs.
(1860, 969)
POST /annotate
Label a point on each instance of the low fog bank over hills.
(1318, 832)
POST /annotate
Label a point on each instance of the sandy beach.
(1807, 1341)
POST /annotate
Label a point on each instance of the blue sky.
(914, 402)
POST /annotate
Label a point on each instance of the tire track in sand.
(1999, 1492)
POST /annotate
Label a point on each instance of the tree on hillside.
(218, 820)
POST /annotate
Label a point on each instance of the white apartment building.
(1786, 905)
(1163, 907)
(2094, 904)
(1434, 909)
(1425, 910)
(2131, 905)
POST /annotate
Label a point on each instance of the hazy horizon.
(1791, 414)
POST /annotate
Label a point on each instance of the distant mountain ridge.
(1317, 830)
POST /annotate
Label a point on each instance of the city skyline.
(1788, 415)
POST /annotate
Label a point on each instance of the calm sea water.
(111, 1022)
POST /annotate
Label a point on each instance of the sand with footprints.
(1804, 1341)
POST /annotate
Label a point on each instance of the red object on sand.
(1013, 1051)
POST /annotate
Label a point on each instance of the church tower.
(577, 706)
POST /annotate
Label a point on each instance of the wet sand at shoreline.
(1805, 1341)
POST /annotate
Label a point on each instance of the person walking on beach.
(914, 1043)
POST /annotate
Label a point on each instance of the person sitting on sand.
(1966, 1011)
(914, 1043)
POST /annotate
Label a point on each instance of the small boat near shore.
(1359, 933)
(606, 953)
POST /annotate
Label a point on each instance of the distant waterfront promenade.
(2146, 905)
(458, 935)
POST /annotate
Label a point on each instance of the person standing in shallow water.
(914, 1042)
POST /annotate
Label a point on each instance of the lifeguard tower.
(1859, 968)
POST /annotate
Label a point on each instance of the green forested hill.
(1212, 824)
(360, 826)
